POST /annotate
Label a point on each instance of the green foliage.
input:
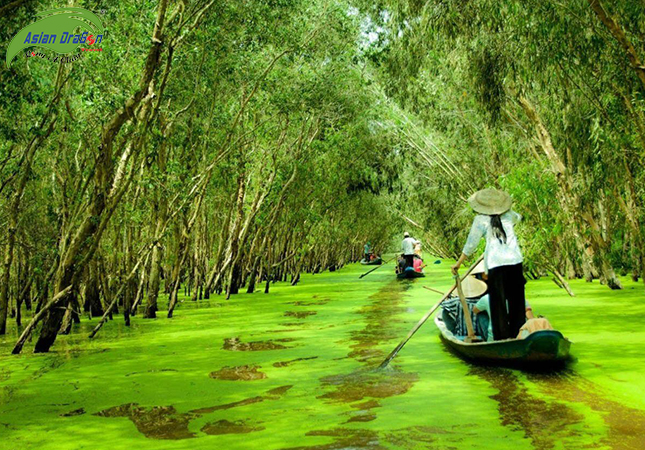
(278, 136)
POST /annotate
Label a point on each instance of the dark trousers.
(409, 260)
(506, 284)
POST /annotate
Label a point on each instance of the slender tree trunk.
(83, 245)
(44, 129)
(252, 277)
(161, 207)
(571, 202)
(92, 302)
(619, 35)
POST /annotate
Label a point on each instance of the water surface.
(294, 369)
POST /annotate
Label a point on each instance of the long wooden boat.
(542, 347)
(375, 262)
(410, 273)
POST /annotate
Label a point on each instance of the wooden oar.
(377, 267)
(464, 305)
(433, 290)
(414, 329)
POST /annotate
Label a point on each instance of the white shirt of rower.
(497, 253)
(408, 245)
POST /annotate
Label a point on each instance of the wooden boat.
(542, 347)
(409, 272)
(375, 262)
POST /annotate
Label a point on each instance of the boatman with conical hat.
(495, 221)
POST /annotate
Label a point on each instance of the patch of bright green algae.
(295, 369)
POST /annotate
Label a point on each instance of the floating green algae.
(238, 373)
(150, 386)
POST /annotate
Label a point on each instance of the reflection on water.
(76, 412)
(337, 402)
(272, 394)
(386, 305)
(246, 401)
(323, 301)
(238, 373)
(234, 344)
(288, 363)
(345, 438)
(548, 423)
(379, 315)
(418, 437)
(626, 426)
(362, 418)
(164, 422)
(226, 427)
(544, 423)
(414, 437)
(156, 422)
(150, 371)
(367, 383)
(300, 314)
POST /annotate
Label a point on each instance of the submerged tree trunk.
(254, 272)
(108, 190)
(154, 280)
(92, 302)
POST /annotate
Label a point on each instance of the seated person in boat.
(532, 323)
(453, 314)
(479, 271)
(418, 263)
(400, 264)
(417, 249)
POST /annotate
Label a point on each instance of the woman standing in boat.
(502, 259)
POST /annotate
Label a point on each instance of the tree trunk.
(619, 34)
(86, 238)
(570, 201)
(253, 275)
(44, 129)
(92, 302)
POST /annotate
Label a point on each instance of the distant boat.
(543, 347)
(409, 272)
(375, 262)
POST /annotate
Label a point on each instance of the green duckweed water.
(294, 369)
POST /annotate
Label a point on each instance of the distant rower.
(407, 247)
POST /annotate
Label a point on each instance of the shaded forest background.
(220, 146)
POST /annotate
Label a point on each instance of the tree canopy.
(217, 147)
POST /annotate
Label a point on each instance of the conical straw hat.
(473, 287)
(490, 202)
(479, 268)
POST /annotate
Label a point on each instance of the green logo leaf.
(56, 31)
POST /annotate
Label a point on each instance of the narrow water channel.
(296, 369)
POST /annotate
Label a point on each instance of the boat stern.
(547, 345)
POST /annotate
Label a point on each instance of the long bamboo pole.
(377, 267)
(464, 305)
(414, 329)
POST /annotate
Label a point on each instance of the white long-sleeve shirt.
(496, 253)
(407, 246)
